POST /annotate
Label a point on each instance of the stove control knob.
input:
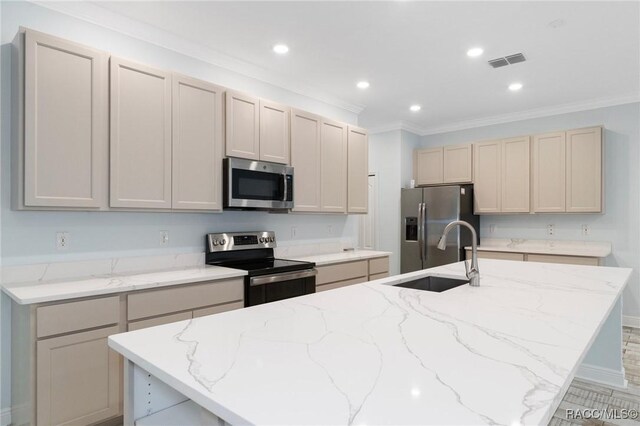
(215, 242)
(272, 239)
(261, 240)
(223, 242)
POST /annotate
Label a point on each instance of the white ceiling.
(415, 52)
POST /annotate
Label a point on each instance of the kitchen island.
(372, 353)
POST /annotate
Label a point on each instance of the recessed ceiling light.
(475, 52)
(363, 84)
(415, 108)
(281, 49)
(514, 87)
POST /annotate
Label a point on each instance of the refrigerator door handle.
(424, 234)
(420, 229)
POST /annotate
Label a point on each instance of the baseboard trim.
(5, 417)
(601, 375)
(631, 321)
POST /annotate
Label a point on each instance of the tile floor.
(586, 395)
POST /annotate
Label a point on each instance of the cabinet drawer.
(378, 266)
(217, 309)
(499, 255)
(569, 260)
(378, 276)
(341, 272)
(165, 319)
(75, 316)
(160, 302)
(339, 284)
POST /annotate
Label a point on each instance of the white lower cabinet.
(532, 257)
(78, 379)
(64, 373)
(353, 272)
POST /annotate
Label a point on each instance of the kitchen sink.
(431, 283)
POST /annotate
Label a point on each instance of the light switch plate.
(62, 240)
(164, 238)
(550, 229)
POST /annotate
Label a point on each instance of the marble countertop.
(372, 353)
(48, 291)
(344, 256)
(554, 247)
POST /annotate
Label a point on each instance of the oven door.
(270, 288)
(255, 184)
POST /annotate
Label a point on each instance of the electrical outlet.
(164, 238)
(492, 228)
(294, 232)
(586, 230)
(62, 240)
(330, 230)
(550, 229)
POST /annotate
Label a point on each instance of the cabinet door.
(78, 379)
(65, 123)
(429, 166)
(274, 132)
(457, 164)
(140, 136)
(305, 159)
(487, 193)
(197, 144)
(243, 126)
(333, 167)
(549, 151)
(584, 170)
(515, 175)
(357, 170)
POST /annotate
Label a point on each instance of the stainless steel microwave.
(257, 185)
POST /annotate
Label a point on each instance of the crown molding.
(105, 18)
(532, 113)
(507, 118)
(400, 125)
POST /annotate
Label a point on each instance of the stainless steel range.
(269, 279)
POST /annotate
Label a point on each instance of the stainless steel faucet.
(473, 274)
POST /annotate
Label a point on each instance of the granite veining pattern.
(501, 353)
(48, 291)
(554, 247)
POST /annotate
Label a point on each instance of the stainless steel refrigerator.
(425, 213)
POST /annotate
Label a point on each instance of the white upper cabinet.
(457, 164)
(333, 163)
(487, 194)
(584, 170)
(515, 182)
(140, 136)
(305, 159)
(549, 172)
(243, 126)
(274, 132)
(197, 146)
(358, 170)
(429, 166)
(62, 158)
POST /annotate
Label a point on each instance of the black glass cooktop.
(268, 266)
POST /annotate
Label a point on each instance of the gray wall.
(620, 222)
(29, 237)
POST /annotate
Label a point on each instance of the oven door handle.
(286, 276)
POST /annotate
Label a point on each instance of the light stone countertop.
(344, 256)
(553, 247)
(372, 353)
(48, 291)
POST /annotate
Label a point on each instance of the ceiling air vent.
(499, 62)
(507, 60)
